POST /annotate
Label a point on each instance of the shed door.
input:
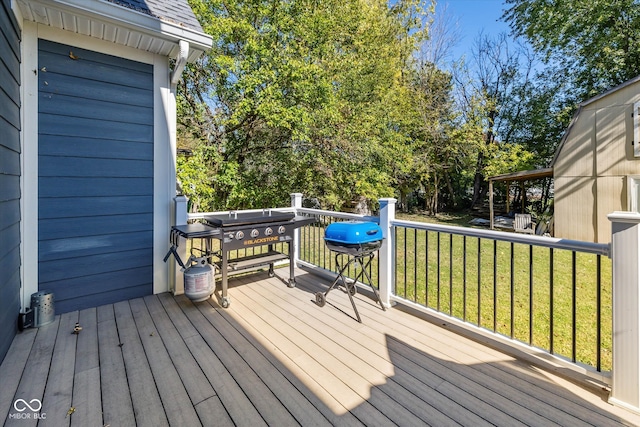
(95, 177)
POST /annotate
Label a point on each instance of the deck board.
(275, 358)
(332, 349)
(12, 370)
(145, 397)
(417, 381)
(87, 398)
(201, 344)
(173, 394)
(296, 403)
(58, 393)
(34, 379)
(272, 410)
(279, 355)
(199, 389)
(116, 398)
(345, 385)
(494, 384)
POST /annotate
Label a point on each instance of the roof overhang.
(117, 24)
(523, 175)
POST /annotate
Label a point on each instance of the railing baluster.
(530, 294)
(316, 258)
(512, 293)
(551, 300)
(303, 246)
(599, 313)
(415, 264)
(450, 274)
(464, 278)
(495, 285)
(573, 306)
(395, 257)
(315, 251)
(426, 272)
(438, 270)
(322, 255)
(479, 282)
(405, 262)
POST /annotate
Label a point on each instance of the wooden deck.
(275, 358)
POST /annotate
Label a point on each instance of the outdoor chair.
(522, 224)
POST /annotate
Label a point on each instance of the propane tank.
(199, 279)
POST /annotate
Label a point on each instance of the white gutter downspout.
(181, 61)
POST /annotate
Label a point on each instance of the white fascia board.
(130, 19)
(17, 13)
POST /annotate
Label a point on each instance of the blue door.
(95, 169)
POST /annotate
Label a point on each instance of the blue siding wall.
(95, 166)
(9, 176)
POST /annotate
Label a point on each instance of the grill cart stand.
(358, 241)
(350, 287)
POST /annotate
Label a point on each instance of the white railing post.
(387, 215)
(625, 254)
(181, 209)
(175, 273)
(296, 203)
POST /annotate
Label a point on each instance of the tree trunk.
(477, 181)
(479, 187)
(451, 191)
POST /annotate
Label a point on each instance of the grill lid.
(353, 232)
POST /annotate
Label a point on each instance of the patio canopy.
(521, 176)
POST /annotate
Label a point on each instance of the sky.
(473, 16)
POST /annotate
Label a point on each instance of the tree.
(439, 159)
(301, 95)
(593, 44)
(493, 94)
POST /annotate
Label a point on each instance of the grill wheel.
(320, 299)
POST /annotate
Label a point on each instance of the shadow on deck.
(275, 358)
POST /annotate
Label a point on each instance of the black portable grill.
(238, 230)
(358, 241)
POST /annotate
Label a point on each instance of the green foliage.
(508, 158)
(194, 180)
(301, 96)
(594, 44)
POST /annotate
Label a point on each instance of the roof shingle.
(175, 11)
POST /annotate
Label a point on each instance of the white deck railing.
(624, 251)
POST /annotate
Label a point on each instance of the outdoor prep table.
(239, 230)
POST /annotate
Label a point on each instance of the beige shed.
(596, 167)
